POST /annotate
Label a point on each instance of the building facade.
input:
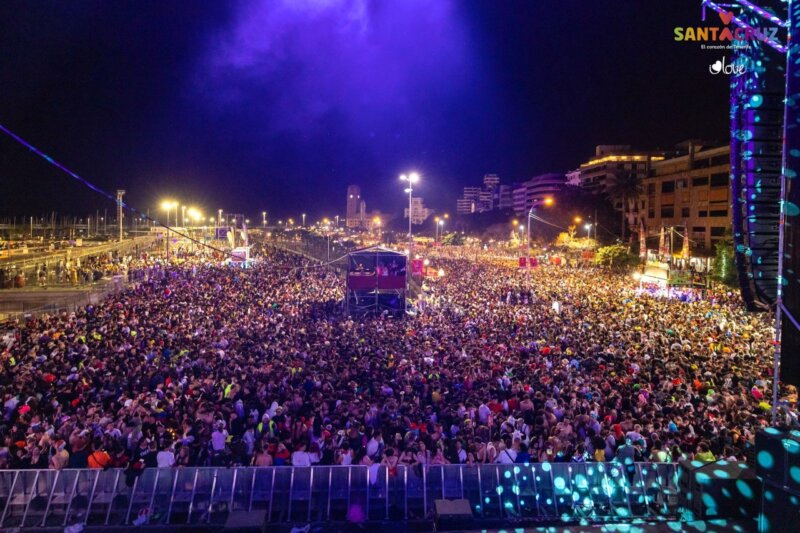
(692, 194)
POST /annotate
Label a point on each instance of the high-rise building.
(491, 181)
(353, 213)
(482, 199)
(465, 206)
(472, 193)
(533, 192)
(419, 213)
(504, 197)
(611, 162)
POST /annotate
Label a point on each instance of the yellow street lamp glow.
(578, 220)
(166, 205)
(436, 219)
(549, 201)
(446, 215)
(515, 222)
(376, 221)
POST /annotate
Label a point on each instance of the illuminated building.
(353, 213)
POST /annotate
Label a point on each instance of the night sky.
(280, 104)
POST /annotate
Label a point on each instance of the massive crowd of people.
(202, 364)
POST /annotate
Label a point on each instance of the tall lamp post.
(377, 223)
(167, 206)
(411, 178)
(264, 218)
(547, 202)
(304, 220)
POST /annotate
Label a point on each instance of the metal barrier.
(205, 496)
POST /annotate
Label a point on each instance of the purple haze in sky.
(357, 79)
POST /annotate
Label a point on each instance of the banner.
(642, 240)
(417, 267)
(523, 262)
(685, 250)
(663, 244)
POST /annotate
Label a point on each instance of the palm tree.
(625, 188)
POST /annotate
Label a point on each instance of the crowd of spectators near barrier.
(199, 363)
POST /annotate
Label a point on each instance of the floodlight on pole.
(411, 178)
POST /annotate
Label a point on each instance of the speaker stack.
(453, 514)
(778, 466)
(721, 489)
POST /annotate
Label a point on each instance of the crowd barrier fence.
(207, 495)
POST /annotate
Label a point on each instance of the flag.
(523, 262)
(685, 250)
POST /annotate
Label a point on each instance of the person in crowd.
(199, 364)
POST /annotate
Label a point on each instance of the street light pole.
(411, 178)
(548, 201)
(528, 254)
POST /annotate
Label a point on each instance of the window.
(651, 189)
(699, 182)
(717, 231)
(702, 214)
(651, 212)
(720, 160)
(719, 212)
(685, 212)
(667, 186)
(698, 229)
(667, 211)
(720, 179)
